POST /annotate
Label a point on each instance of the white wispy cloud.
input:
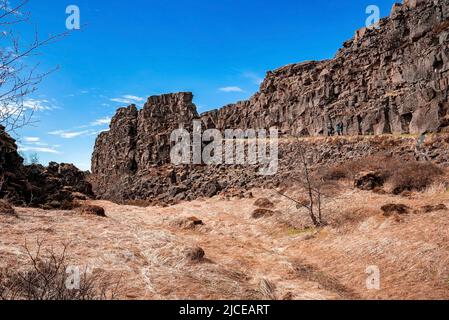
(101, 122)
(38, 149)
(32, 139)
(231, 89)
(70, 134)
(96, 133)
(35, 141)
(29, 105)
(134, 98)
(38, 105)
(128, 99)
(121, 100)
(84, 130)
(253, 77)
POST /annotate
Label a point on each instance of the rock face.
(139, 140)
(388, 80)
(52, 187)
(393, 79)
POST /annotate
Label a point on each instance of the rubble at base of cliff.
(56, 186)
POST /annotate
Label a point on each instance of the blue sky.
(126, 51)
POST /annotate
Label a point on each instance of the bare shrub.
(402, 175)
(312, 186)
(350, 169)
(414, 176)
(44, 278)
(6, 209)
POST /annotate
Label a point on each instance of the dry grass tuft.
(46, 277)
(186, 223)
(373, 172)
(352, 216)
(6, 209)
(264, 203)
(414, 176)
(195, 254)
(313, 274)
(267, 289)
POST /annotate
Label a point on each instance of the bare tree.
(34, 158)
(17, 79)
(312, 188)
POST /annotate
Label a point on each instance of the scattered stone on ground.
(262, 213)
(264, 203)
(92, 210)
(392, 209)
(369, 181)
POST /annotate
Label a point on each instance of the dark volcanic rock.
(262, 213)
(137, 142)
(369, 180)
(391, 209)
(264, 203)
(388, 80)
(92, 210)
(431, 208)
(52, 187)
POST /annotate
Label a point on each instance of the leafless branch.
(17, 79)
(45, 278)
(312, 189)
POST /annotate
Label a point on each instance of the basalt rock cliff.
(393, 79)
(389, 79)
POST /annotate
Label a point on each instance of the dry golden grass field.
(155, 252)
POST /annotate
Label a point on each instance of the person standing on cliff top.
(330, 130)
(340, 128)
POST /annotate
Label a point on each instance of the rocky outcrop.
(138, 141)
(52, 187)
(169, 184)
(393, 79)
(55, 186)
